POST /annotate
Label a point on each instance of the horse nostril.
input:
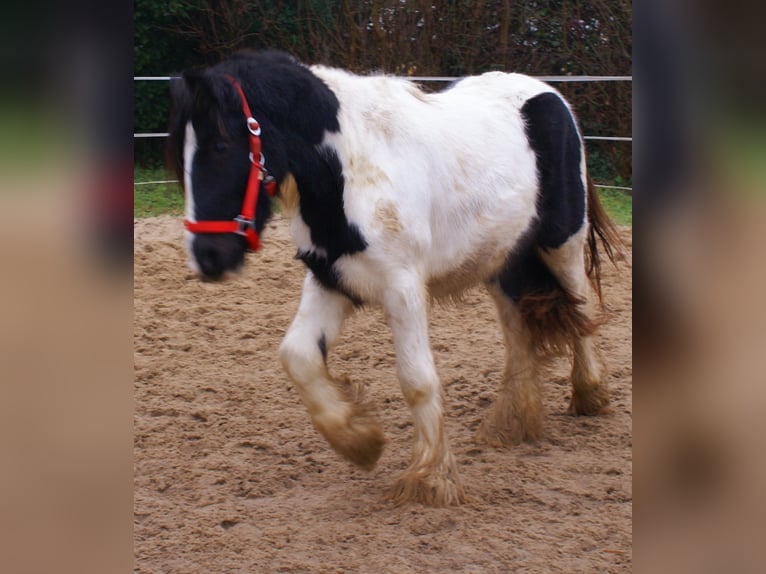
(209, 263)
(210, 271)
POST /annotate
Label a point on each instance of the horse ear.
(180, 111)
(180, 94)
(193, 78)
(198, 85)
(206, 88)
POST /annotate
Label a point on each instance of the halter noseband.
(244, 223)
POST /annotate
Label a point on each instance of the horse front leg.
(335, 409)
(431, 477)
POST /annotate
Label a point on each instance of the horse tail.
(601, 227)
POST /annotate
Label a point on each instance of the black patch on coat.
(524, 272)
(319, 177)
(322, 344)
(325, 272)
(552, 133)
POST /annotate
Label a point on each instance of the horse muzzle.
(216, 254)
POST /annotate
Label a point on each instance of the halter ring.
(253, 126)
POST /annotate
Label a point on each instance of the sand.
(231, 477)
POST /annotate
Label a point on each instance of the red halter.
(244, 223)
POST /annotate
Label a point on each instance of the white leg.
(346, 424)
(432, 475)
(589, 392)
(590, 395)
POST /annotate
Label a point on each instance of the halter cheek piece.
(244, 223)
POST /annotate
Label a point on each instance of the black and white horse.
(397, 196)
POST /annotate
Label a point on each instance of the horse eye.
(221, 147)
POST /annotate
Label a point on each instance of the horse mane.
(180, 112)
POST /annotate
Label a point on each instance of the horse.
(398, 197)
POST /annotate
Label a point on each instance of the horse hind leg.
(559, 309)
(534, 314)
(517, 413)
(545, 306)
(567, 263)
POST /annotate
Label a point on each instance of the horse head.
(235, 129)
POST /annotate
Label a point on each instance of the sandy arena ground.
(230, 476)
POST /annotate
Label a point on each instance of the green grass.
(167, 198)
(618, 204)
(156, 199)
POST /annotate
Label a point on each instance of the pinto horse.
(397, 196)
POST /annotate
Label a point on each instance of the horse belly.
(471, 242)
(479, 266)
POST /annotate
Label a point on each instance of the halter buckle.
(243, 224)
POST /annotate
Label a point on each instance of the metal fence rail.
(563, 79)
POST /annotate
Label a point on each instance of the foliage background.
(405, 37)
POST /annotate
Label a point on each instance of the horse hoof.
(360, 440)
(427, 490)
(594, 402)
(510, 432)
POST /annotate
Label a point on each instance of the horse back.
(455, 180)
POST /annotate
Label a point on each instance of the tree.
(407, 37)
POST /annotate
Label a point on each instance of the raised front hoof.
(592, 403)
(511, 433)
(427, 490)
(360, 440)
